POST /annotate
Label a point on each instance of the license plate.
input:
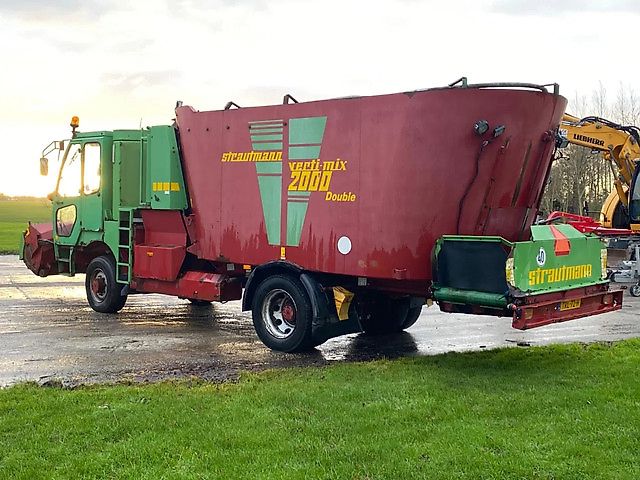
(570, 304)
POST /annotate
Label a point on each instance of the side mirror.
(44, 166)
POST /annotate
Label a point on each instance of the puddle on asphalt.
(155, 323)
(360, 346)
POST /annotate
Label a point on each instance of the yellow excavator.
(620, 145)
(619, 224)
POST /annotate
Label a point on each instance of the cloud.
(199, 4)
(18, 6)
(553, 7)
(46, 11)
(131, 81)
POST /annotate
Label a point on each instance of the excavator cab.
(634, 202)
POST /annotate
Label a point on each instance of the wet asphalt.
(48, 334)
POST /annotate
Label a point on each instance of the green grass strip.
(14, 218)
(560, 412)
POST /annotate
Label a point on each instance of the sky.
(124, 64)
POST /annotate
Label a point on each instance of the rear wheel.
(103, 292)
(635, 290)
(383, 315)
(199, 303)
(282, 314)
(412, 317)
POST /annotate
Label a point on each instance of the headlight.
(509, 271)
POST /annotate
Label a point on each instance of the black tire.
(635, 290)
(103, 292)
(199, 303)
(282, 314)
(412, 317)
(384, 315)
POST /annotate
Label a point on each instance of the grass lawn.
(561, 412)
(14, 216)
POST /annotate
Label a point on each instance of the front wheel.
(635, 290)
(282, 314)
(103, 292)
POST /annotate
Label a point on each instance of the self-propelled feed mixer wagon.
(328, 217)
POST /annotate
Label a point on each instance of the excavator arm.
(618, 143)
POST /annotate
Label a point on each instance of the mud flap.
(326, 323)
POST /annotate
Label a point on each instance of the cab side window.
(91, 168)
(65, 220)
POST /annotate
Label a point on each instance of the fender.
(263, 271)
(325, 322)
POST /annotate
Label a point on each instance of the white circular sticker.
(541, 258)
(344, 245)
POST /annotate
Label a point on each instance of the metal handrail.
(463, 83)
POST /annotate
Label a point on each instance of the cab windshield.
(70, 182)
(80, 174)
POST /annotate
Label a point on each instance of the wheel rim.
(279, 313)
(98, 285)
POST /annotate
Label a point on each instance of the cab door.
(91, 212)
(67, 199)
